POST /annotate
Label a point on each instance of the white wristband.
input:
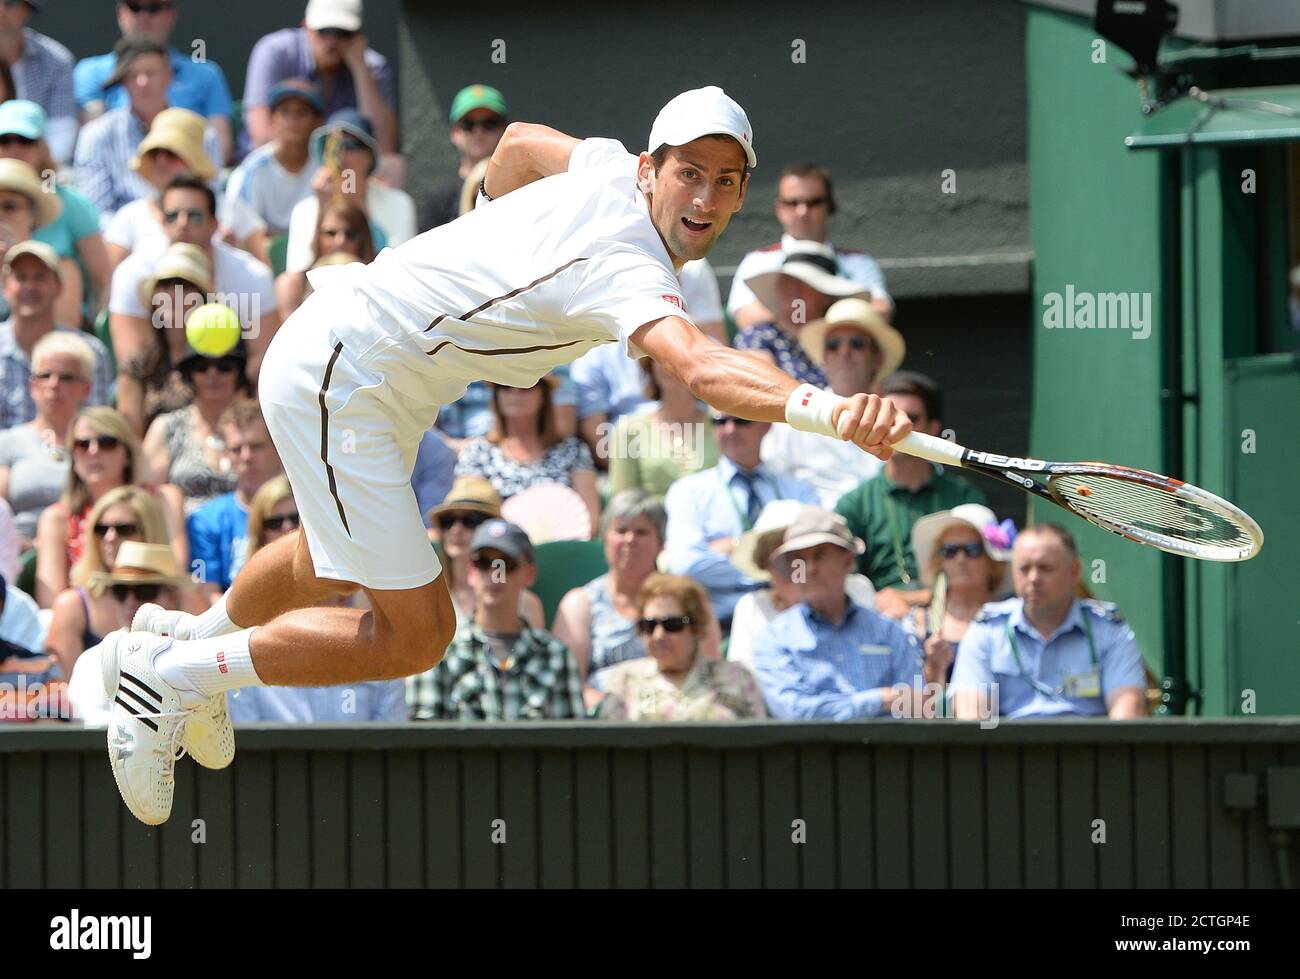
(810, 409)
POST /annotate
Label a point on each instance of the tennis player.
(573, 244)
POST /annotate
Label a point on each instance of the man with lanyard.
(710, 509)
(883, 509)
(1046, 651)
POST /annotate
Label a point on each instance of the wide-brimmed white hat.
(813, 263)
(757, 544)
(997, 538)
(861, 315)
(707, 111)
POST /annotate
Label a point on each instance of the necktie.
(752, 504)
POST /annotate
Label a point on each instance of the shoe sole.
(111, 666)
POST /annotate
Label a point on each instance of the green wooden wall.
(881, 804)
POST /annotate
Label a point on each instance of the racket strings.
(1151, 509)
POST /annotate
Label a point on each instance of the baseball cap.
(295, 88)
(354, 124)
(702, 112)
(503, 536)
(344, 15)
(473, 97)
(37, 249)
(816, 526)
(22, 118)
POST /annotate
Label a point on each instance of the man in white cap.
(574, 244)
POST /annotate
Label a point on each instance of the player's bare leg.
(277, 579)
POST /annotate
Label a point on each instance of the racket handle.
(938, 450)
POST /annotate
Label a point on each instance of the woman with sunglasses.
(105, 455)
(525, 448)
(676, 682)
(75, 233)
(597, 621)
(184, 447)
(971, 552)
(471, 502)
(343, 229)
(650, 450)
(82, 615)
(33, 458)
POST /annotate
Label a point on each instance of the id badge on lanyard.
(1076, 685)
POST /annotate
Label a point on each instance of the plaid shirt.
(104, 151)
(540, 683)
(16, 405)
(44, 75)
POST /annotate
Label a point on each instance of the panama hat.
(812, 263)
(179, 131)
(17, 176)
(470, 493)
(817, 526)
(141, 564)
(860, 314)
(997, 538)
(180, 261)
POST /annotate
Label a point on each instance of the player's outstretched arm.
(527, 152)
(739, 383)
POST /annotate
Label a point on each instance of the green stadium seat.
(27, 574)
(565, 564)
(278, 252)
(105, 336)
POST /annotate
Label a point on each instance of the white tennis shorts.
(348, 441)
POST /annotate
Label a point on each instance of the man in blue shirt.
(1046, 652)
(219, 529)
(828, 658)
(196, 83)
(709, 510)
(42, 73)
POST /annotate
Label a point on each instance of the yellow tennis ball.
(212, 329)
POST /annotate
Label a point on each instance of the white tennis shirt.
(516, 287)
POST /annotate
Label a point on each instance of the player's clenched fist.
(867, 420)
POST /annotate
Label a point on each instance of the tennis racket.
(1144, 507)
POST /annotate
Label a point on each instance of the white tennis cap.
(702, 112)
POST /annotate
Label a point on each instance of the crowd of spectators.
(739, 569)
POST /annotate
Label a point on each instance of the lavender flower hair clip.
(1000, 535)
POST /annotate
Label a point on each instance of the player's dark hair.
(187, 181)
(919, 386)
(1054, 530)
(804, 170)
(660, 155)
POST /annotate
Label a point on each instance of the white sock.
(206, 667)
(214, 622)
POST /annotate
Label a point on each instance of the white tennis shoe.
(146, 729)
(210, 735)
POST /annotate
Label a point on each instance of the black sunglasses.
(103, 442)
(147, 8)
(855, 343)
(290, 520)
(121, 529)
(470, 521)
(738, 422)
(972, 551)
(13, 139)
(337, 32)
(492, 563)
(809, 202)
(488, 125)
(674, 623)
(198, 364)
(146, 593)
